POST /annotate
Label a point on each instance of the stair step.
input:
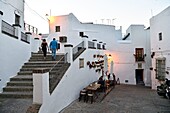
(38, 66)
(25, 73)
(47, 57)
(32, 68)
(20, 83)
(22, 78)
(16, 95)
(42, 63)
(18, 88)
(48, 54)
(21, 86)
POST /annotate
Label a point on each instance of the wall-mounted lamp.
(151, 68)
(167, 72)
(153, 54)
(47, 16)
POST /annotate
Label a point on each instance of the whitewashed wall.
(67, 24)
(121, 51)
(72, 82)
(158, 24)
(10, 8)
(14, 52)
(125, 62)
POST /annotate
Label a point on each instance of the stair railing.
(76, 49)
(65, 58)
(52, 79)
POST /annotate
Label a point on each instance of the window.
(160, 69)
(81, 62)
(62, 39)
(57, 28)
(81, 34)
(17, 19)
(160, 36)
(139, 54)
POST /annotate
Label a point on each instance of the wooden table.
(93, 88)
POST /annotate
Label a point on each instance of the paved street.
(124, 99)
(14, 105)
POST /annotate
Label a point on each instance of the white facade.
(14, 51)
(160, 47)
(121, 50)
(73, 81)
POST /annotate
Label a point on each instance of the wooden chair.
(83, 94)
(90, 96)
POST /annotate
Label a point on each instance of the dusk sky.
(116, 12)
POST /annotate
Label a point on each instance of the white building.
(131, 56)
(127, 67)
(160, 47)
(15, 43)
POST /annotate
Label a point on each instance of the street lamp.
(47, 16)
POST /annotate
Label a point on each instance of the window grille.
(160, 68)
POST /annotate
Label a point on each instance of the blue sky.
(119, 12)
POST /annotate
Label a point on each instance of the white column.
(29, 35)
(35, 44)
(18, 31)
(95, 43)
(104, 44)
(69, 51)
(85, 42)
(101, 43)
(40, 86)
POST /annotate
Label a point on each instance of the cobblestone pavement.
(124, 99)
(14, 105)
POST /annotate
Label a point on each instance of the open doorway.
(139, 76)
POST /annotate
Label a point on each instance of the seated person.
(102, 82)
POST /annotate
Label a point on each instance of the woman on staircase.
(44, 46)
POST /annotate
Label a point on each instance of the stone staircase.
(21, 85)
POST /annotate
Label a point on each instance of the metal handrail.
(78, 47)
(65, 58)
(51, 78)
(56, 64)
